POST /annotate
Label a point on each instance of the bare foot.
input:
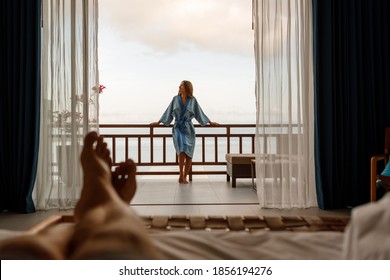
(97, 185)
(182, 180)
(123, 180)
(95, 157)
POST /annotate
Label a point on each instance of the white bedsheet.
(218, 245)
(244, 245)
(367, 237)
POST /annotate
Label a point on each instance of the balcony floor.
(204, 190)
(208, 195)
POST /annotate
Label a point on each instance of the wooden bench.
(238, 166)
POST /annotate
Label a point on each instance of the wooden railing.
(148, 146)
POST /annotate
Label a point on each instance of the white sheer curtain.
(285, 106)
(70, 95)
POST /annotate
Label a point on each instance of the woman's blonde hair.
(189, 88)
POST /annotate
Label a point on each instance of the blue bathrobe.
(183, 131)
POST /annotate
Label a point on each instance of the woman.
(184, 107)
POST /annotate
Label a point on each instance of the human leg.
(106, 226)
(182, 157)
(97, 181)
(52, 243)
(187, 168)
(48, 244)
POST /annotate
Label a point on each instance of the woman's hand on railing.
(213, 123)
(155, 124)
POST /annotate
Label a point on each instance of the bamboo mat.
(246, 223)
(227, 223)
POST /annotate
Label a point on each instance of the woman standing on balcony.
(183, 108)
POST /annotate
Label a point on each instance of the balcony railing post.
(228, 139)
(151, 144)
(164, 149)
(203, 149)
(126, 148)
(139, 150)
(216, 149)
(113, 149)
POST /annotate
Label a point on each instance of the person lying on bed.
(105, 226)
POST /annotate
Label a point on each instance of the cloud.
(173, 25)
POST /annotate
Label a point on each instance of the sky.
(147, 47)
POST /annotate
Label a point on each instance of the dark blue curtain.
(19, 102)
(352, 96)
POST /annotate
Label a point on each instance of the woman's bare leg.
(187, 168)
(182, 157)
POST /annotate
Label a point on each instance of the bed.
(366, 236)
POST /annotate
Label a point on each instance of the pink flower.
(98, 89)
(101, 88)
